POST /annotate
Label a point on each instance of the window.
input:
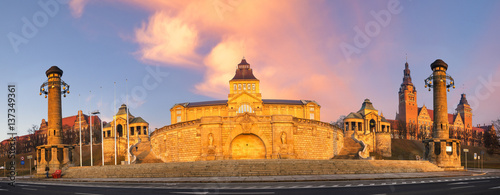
(311, 116)
(178, 112)
(244, 86)
(235, 87)
(178, 119)
(311, 108)
(239, 86)
(253, 87)
(245, 108)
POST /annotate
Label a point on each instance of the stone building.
(138, 129)
(419, 120)
(369, 129)
(245, 126)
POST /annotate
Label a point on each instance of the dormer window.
(235, 87)
(244, 86)
(253, 87)
(239, 86)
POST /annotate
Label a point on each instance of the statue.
(210, 140)
(283, 138)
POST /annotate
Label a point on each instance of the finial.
(406, 57)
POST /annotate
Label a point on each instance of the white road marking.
(372, 184)
(31, 186)
(334, 186)
(29, 189)
(321, 186)
(461, 187)
(498, 187)
(200, 193)
(347, 185)
(413, 182)
(360, 184)
(403, 182)
(86, 193)
(4, 190)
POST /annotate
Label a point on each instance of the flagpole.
(80, 119)
(102, 135)
(114, 117)
(128, 128)
(90, 114)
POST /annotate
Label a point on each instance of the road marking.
(334, 186)
(347, 185)
(413, 182)
(495, 188)
(201, 193)
(29, 189)
(461, 187)
(403, 182)
(86, 193)
(321, 186)
(468, 182)
(4, 190)
(360, 185)
(394, 183)
(431, 181)
(372, 184)
(383, 183)
(31, 186)
(422, 181)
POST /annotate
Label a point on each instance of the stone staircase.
(350, 149)
(238, 168)
(144, 153)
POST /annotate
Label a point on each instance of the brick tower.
(55, 154)
(466, 112)
(408, 109)
(440, 149)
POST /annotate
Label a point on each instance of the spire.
(463, 100)
(407, 76)
(244, 71)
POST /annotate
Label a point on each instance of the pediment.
(243, 95)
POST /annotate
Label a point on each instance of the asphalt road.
(486, 184)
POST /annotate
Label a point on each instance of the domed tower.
(440, 149)
(244, 91)
(53, 88)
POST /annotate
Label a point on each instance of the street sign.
(22, 157)
(479, 157)
(29, 156)
(475, 156)
(466, 150)
(22, 162)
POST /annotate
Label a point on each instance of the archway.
(372, 125)
(119, 130)
(248, 146)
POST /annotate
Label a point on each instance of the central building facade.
(245, 126)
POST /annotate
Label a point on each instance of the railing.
(134, 157)
(362, 153)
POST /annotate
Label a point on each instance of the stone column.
(66, 155)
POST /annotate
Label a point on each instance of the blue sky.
(179, 51)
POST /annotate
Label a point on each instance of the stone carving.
(210, 140)
(283, 138)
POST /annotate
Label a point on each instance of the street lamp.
(102, 143)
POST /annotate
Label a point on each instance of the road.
(484, 184)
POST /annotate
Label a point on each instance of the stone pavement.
(290, 178)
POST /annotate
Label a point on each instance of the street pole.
(30, 167)
(466, 161)
(91, 151)
(114, 117)
(102, 136)
(80, 119)
(128, 128)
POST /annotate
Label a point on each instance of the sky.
(164, 52)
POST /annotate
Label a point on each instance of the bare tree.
(34, 139)
(339, 123)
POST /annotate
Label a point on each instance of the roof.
(224, 102)
(54, 69)
(71, 120)
(383, 119)
(122, 110)
(463, 100)
(439, 63)
(138, 120)
(367, 105)
(394, 123)
(244, 72)
(354, 115)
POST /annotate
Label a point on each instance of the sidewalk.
(294, 178)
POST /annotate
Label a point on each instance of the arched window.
(245, 108)
(239, 86)
(235, 87)
(244, 86)
(253, 87)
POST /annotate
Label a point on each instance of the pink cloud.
(292, 52)
(77, 7)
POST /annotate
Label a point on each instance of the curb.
(256, 179)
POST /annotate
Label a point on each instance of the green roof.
(367, 105)
(122, 110)
(354, 115)
(138, 120)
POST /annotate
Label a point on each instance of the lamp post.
(91, 151)
(96, 113)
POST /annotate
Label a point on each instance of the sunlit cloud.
(77, 7)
